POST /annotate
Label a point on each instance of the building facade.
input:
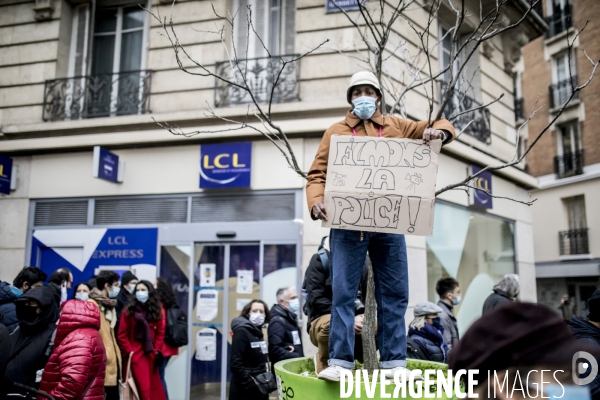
(567, 159)
(76, 75)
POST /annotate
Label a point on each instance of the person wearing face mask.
(128, 282)
(82, 291)
(283, 332)
(249, 355)
(425, 340)
(27, 279)
(104, 297)
(31, 341)
(141, 337)
(60, 282)
(449, 292)
(349, 248)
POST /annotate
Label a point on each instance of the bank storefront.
(221, 247)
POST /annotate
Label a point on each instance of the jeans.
(161, 371)
(390, 270)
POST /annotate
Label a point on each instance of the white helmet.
(362, 78)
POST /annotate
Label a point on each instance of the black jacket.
(8, 311)
(590, 334)
(320, 295)
(281, 330)
(494, 300)
(122, 300)
(30, 343)
(246, 360)
(4, 354)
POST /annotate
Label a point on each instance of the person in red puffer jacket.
(77, 365)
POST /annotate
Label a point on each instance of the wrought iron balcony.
(262, 75)
(559, 21)
(519, 112)
(573, 242)
(104, 95)
(561, 91)
(475, 123)
(569, 164)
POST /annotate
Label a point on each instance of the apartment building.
(219, 213)
(566, 223)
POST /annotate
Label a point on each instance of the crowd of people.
(81, 348)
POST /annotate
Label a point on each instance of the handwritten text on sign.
(381, 184)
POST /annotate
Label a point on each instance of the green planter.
(292, 385)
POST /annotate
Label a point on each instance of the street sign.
(225, 165)
(346, 5)
(483, 185)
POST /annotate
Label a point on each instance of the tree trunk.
(369, 333)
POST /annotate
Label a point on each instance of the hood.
(6, 295)
(244, 323)
(45, 297)
(277, 310)
(583, 329)
(76, 314)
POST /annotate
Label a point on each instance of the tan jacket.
(392, 127)
(108, 320)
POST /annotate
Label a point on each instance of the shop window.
(473, 248)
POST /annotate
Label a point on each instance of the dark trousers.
(161, 371)
(111, 392)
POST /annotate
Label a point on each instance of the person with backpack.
(319, 296)
(283, 332)
(105, 298)
(175, 325)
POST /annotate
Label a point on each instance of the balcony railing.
(573, 242)
(558, 22)
(262, 75)
(103, 95)
(569, 164)
(475, 123)
(561, 91)
(519, 112)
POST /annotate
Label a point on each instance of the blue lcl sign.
(6, 165)
(106, 165)
(225, 165)
(482, 185)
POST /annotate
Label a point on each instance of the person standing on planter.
(283, 331)
(449, 292)
(249, 353)
(141, 332)
(425, 334)
(105, 298)
(349, 248)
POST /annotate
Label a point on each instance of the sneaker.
(403, 374)
(332, 373)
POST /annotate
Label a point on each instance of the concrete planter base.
(292, 385)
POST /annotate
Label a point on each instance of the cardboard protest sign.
(381, 184)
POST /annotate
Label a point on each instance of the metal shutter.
(251, 207)
(141, 211)
(59, 213)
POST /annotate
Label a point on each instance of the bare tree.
(446, 86)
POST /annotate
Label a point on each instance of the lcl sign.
(482, 185)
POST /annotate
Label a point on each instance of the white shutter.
(288, 26)
(79, 40)
(471, 75)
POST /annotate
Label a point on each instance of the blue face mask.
(142, 297)
(294, 305)
(114, 292)
(437, 322)
(82, 296)
(364, 107)
(16, 291)
(457, 300)
(567, 392)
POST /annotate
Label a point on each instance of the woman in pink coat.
(142, 331)
(76, 367)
